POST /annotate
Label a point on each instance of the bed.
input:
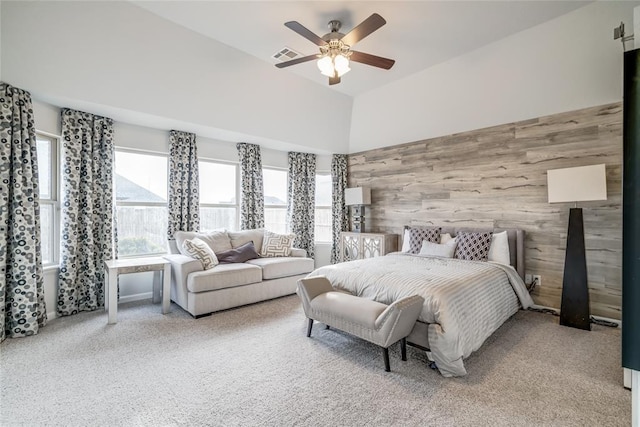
(465, 301)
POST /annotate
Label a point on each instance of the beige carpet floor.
(255, 366)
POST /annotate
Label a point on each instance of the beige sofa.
(202, 292)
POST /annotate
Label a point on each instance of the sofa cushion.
(224, 276)
(239, 254)
(239, 238)
(218, 241)
(275, 268)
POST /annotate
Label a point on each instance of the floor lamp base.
(574, 311)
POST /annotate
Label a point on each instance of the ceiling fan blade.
(365, 28)
(304, 32)
(297, 61)
(334, 80)
(373, 60)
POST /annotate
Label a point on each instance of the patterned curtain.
(184, 196)
(252, 194)
(302, 200)
(87, 210)
(339, 209)
(22, 309)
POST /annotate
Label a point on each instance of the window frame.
(285, 206)
(54, 198)
(117, 203)
(322, 207)
(235, 205)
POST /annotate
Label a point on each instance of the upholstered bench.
(372, 321)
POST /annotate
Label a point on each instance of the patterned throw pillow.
(275, 245)
(240, 254)
(417, 235)
(198, 249)
(473, 246)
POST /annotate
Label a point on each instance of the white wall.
(121, 61)
(568, 63)
(138, 286)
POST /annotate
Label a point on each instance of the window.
(323, 220)
(141, 203)
(218, 195)
(275, 199)
(47, 151)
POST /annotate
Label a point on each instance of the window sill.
(50, 268)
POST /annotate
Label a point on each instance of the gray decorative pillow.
(473, 246)
(276, 245)
(240, 254)
(197, 249)
(418, 234)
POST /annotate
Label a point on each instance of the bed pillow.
(418, 234)
(238, 255)
(444, 238)
(406, 247)
(198, 249)
(277, 245)
(473, 246)
(499, 250)
(444, 250)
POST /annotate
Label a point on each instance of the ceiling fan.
(335, 48)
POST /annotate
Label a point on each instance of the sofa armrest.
(298, 253)
(182, 266)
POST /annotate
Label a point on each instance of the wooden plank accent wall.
(497, 177)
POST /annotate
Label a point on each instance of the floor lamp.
(581, 184)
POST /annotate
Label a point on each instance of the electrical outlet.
(538, 279)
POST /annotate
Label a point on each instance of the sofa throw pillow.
(218, 240)
(276, 245)
(499, 250)
(418, 234)
(473, 246)
(442, 250)
(239, 238)
(238, 255)
(197, 249)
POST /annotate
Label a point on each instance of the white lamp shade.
(581, 184)
(357, 196)
(341, 65)
(326, 66)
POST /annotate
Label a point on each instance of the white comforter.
(465, 301)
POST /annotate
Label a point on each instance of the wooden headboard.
(515, 236)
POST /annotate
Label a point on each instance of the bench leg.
(385, 352)
(309, 327)
(403, 348)
(326, 326)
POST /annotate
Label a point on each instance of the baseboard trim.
(136, 297)
(51, 315)
(557, 311)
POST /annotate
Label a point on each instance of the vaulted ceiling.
(418, 34)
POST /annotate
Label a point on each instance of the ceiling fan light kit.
(335, 48)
